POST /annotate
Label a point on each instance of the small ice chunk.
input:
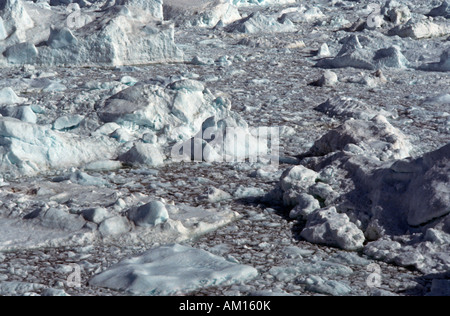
(61, 38)
(114, 226)
(96, 215)
(331, 228)
(8, 96)
(149, 215)
(128, 80)
(103, 165)
(22, 53)
(215, 195)
(306, 205)
(323, 51)
(143, 154)
(67, 122)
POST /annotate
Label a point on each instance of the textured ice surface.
(355, 54)
(150, 214)
(377, 137)
(200, 12)
(183, 108)
(260, 2)
(117, 35)
(17, 234)
(8, 96)
(29, 148)
(442, 10)
(259, 23)
(385, 198)
(172, 269)
(421, 29)
(328, 227)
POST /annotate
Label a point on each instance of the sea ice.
(172, 270)
(355, 54)
(149, 215)
(117, 35)
(143, 154)
(200, 13)
(259, 23)
(442, 10)
(420, 29)
(328, 227)
(30, 148)
(8, 96)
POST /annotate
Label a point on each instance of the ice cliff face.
(130, 32)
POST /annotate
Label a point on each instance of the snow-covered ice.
(167, 270)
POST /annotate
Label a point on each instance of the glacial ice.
(442, 65)
(115, 36)
(376, 137)
(442, 10)
(168, 270)
(260, 2)
(149, 215)
(143, 154)
(328, 227)
(115, 225)
(320, 285)
(183, 108)
(386, 196)
(355, 54)
(29, 148)
(200, 13)
(8, 96)
(420, 29)
(259, 23)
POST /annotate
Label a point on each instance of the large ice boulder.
(328, 227)
(428, 193)
(302, 14)
(15, 19)
(172, 270)
(259, 23)
(200, 13)
(396, 12)
(119, 41)
(149, 7)
(260, 2)
(359, 54)
(442, 65)
(143, 154)
(358, 197)
(376, 137)
(442, 10)
(130, 32)
(8, 97)
(149, 215)
(27, 148)
(420, 29)
(177, 111)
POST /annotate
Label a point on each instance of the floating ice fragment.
(172, 269)
(149, 215)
